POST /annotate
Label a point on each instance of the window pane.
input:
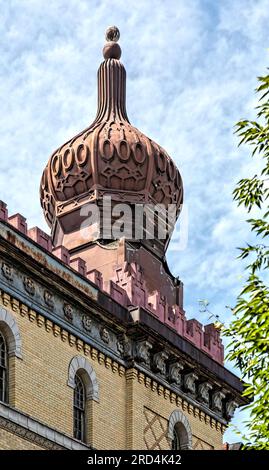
(3, 352)
(3, 369)
(79, 409)
(175, 441)
(2, 385)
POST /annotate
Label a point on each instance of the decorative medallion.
(86, 323)
(104, 334)
(7, 271)
(68, 311)
(29, 285)
(48, 299)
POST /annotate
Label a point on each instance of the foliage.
(249, 329)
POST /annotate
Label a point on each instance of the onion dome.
(111, 157)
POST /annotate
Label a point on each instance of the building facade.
(95, 347)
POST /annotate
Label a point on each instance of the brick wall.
(9, 441)
(119, 420)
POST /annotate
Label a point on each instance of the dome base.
(114, 261)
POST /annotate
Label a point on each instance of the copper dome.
(110, 157)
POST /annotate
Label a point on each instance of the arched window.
(179, 431)
(82, 379)
(79, 409)
(3, 370)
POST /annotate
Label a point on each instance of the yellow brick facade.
(9, 441)
(128, 400)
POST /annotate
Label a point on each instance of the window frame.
(179, 423)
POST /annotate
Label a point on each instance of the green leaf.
(248, 331)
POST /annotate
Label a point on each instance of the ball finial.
(112, 34)
(111, 49)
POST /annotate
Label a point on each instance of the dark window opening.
(79, 409)
(175, 441)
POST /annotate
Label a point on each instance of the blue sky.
(191, 68)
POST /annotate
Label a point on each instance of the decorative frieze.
(172, 373)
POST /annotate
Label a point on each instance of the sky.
(192, 68)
